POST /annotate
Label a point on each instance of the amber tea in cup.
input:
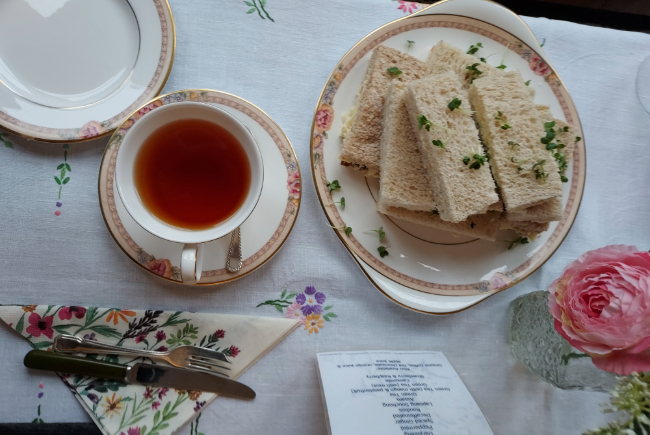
(192, 174)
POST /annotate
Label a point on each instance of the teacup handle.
(192, 263)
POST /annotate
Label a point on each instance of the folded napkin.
(118, 408)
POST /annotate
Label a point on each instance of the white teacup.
(192, 255)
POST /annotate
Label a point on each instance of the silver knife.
(142, 374)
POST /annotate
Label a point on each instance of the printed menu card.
(397, 393)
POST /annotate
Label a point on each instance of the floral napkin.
(121, 409)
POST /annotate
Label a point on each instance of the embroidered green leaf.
(277, 307)
(291, 295)
(42, 344)
(20, 324)
(250, 11)
(263, 3)
(328, 307)
(57, 180)
(248, 3)
(174, 320)
(106, 331)
(284, 293)
(156, 417)
(68, 167)
(66, 180)
(326, 318)
(60, 166)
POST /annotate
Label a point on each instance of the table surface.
(70, 258)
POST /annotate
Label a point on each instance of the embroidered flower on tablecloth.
(307, 307)
(112, 406)
(29, 308)
(66, 313)
(132, 431)
(538, 66)
(38, 325)
(406, 6)
(116, 314)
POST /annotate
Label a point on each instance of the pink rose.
(91, 129)
(293, 185)
(324, 117)
(538, 66)
(161, 267)
(601, 305)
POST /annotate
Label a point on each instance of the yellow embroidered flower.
(314, 322)
(29, 308)
(116, 315)
(113, 406)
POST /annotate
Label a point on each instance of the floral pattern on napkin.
(118, 408)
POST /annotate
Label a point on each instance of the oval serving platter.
(421, 258)
(89, 64)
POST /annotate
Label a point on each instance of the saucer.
(263, 233)
(73, 70)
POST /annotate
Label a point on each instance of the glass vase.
(532, 338)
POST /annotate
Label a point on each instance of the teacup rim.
(127, 205)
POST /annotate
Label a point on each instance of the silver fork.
(195, 358)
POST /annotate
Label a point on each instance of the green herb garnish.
(380, 232)
(474, 72)
(519, 167)
(501, 117)
(513, 145)
(502, 66)
(578, 138)
(341, 202)
(410, 43)
(562, 165)
(454, 104)
(334, 185)
(424, 122)
(438, 143)
(348, 231)
(518, 241)
(538, 168)
(394, 71)
(565, 128)
(479, 160)
(382, 251)
(474, 48)
(505, 127)
(527, 83)
(482, 59)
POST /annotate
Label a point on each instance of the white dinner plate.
(422, 260)
(263, 232)
(73, 70)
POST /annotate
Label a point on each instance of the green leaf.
(331, 315)
(290, 295)
(62, 329)
(249, 3)
(263, 3)
(58, 168)
(163, 426)
(250, 11)
(9, 144)
(68, 167)
(166, 410)
(279, 309)
(327, 318)
(284, 293)
(57, 180)
(186, 342)
(156, 417)
(42, 344)
(348, 231)
(106, 331)
(329, 307)
(20, 324)
(66, 180)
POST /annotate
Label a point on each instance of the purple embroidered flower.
(132, 431)
(93, 398)
(160, 335)
(162, 349)
(90, 336)
(140, 338)
(320, 297)
(301, 299)
(220, 333)
(155, 405)
(307, 309)
(198, 406)
(162, 391)
(40, 394)
(59, 204)
(310, 290)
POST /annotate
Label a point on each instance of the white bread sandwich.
(524, 228)
(511, 128)
(403, 179)
(484, 226)
(457, 168)
(445, 57)
(360, 148)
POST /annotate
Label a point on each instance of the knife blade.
(140, 373)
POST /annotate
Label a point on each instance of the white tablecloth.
(281, 66)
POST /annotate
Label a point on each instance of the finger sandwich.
(457, 167)
(360, 148)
